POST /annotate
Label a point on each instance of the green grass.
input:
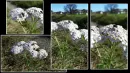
(66, 53)
(102, 19)
(27, 4)
(80, 20)
(24, 61)
(108, 55)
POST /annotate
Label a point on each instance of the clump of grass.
(65, 53)
(24, 61)
(31, 26)
(108, 55)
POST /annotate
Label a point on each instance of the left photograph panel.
(25, 53)
(24, 17)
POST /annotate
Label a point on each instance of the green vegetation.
(66, 53)
(27, 4)
(105, 19)
(108, 55)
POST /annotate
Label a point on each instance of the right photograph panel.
(69, 36)
(109, 36)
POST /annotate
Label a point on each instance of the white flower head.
(84, 32)
(16, 49)
(31, 45)
(34, 53)
(95, 35)
(41, 16)
(54, 26)
(67, 24)
(43, 53)
(18, 14)
(41, 20)
(75, 34)
(36, 12)
(21, 43)
(115, 33)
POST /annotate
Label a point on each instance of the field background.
(98, 19)
(80, 20)
(106, 19)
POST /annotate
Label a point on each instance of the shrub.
(27, 4)
(118, 19)
(107, 19)
(80, 20)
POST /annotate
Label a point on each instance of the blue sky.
(60, 7)
(94, 7)
(100, 7)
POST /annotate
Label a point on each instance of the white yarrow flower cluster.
(36, 12)
(18, 14)
(54, 26)
(72, 27)
(84, 32)
(75, 34)
(67, 24)
(95, 36)
(115, 33)
(42, 53)
(34, 53)
(30, 46)
(73, 30)
(18, 48)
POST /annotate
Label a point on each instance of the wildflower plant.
(30, 19)
(35, 59)
(66, 46)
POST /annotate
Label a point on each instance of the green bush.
(122, 20)
(118, 19)
(80, 20)
(27, 4)
(107, 19)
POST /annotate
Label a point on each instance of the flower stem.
(23, 28)
(59, 46)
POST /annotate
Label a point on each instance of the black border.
(47, 23)
(47, 18)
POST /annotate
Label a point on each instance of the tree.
(70, 8)
(125, 10)
(110, 8)
(75, 11)
(84, 10)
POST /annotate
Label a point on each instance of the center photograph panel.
(69, 36)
